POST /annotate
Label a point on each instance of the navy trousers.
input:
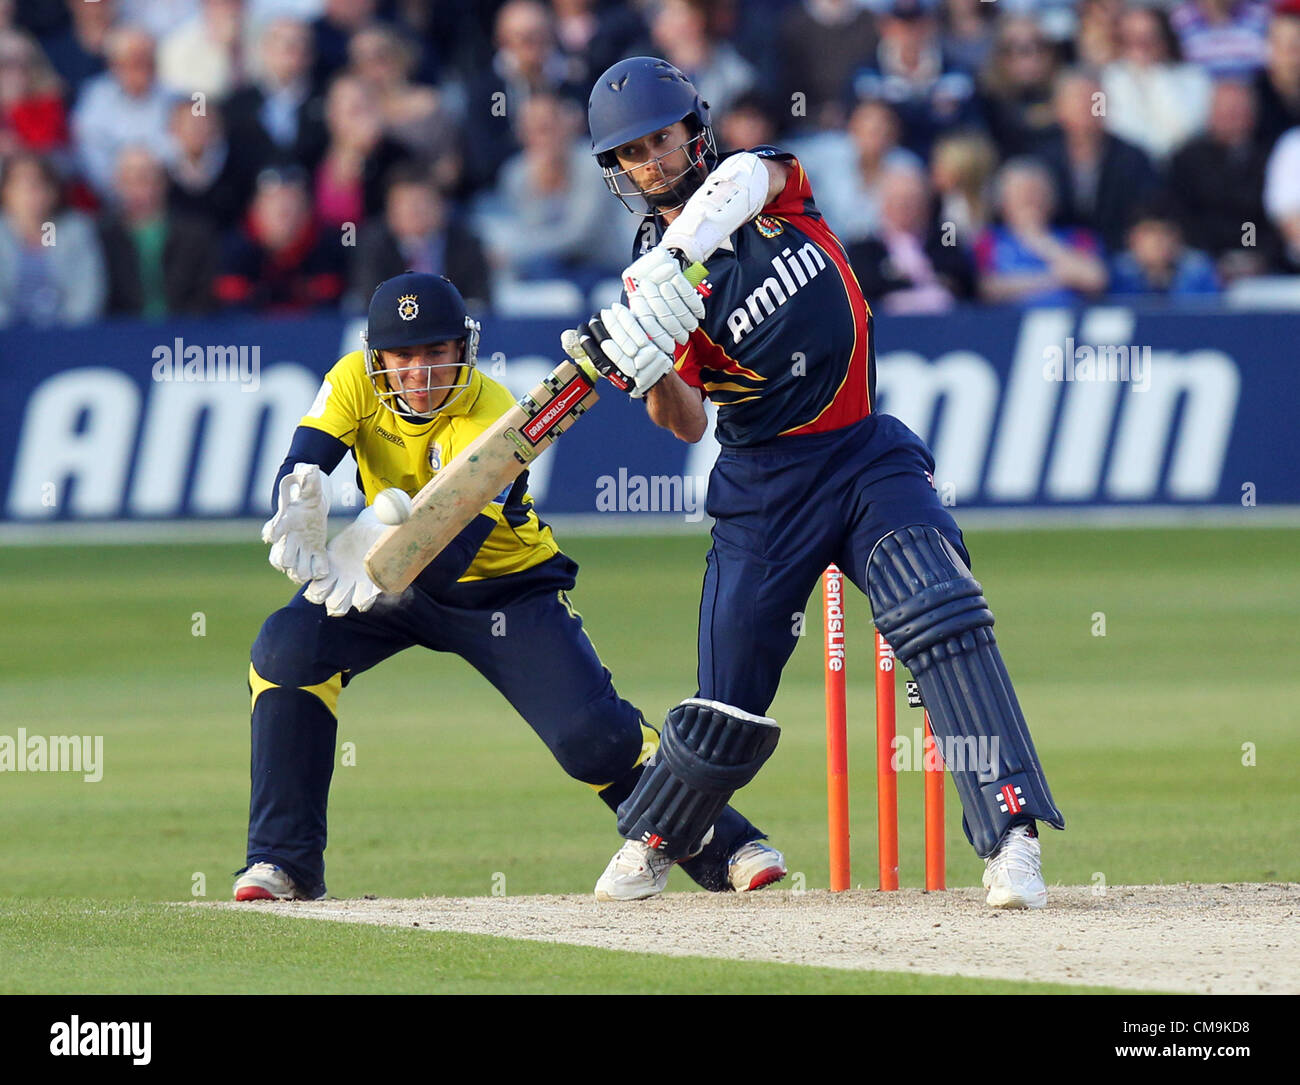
(518, 631)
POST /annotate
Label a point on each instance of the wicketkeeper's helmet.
(411, 309)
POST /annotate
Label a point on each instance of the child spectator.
(1157, 262)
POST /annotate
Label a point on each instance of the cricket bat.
(462, 489)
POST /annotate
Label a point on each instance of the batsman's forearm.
(676, 406)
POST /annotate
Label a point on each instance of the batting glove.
(346, 585)
(619, 347)
(297, 530)
(661, 298)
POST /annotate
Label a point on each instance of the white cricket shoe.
(1013, 874)
(635, 873)
(265, 881)
(755, 865)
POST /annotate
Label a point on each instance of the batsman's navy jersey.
(785, 346)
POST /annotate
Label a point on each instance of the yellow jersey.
(391, 450)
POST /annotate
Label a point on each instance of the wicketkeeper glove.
(297, 530)
(347, 584)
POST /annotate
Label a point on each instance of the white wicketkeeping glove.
(627, 345)
(297, 530)
(662, 299)
(347, 585)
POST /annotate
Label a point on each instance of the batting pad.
(934, 616)
(707, 752)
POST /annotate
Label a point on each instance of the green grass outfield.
(1142, 732)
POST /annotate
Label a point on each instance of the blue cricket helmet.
(638, 96)
(409, 310)
(414, 308)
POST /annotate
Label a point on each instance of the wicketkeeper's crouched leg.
(300, 662)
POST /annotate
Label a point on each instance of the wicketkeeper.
(404, 406)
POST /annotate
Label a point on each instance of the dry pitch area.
(1231, 939)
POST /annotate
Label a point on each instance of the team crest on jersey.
(407, 307)
(435, 457)
(768, 226)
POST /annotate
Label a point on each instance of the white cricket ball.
(392, 506)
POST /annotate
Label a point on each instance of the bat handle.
(696, 274)
(573, 348)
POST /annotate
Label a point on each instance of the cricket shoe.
(638, 871)
(755, 865)
(265, 881)
(1013, 874)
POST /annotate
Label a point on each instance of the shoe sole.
(764, 877)
(609, 898)
(1019, 903)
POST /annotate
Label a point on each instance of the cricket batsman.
(780, 338)
(404, 406)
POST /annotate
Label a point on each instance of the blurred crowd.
(164, 157)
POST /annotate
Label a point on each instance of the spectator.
(281, 261)
(593, 36)
(822, 44)
(413, 115)
(1017, 86)
(159, 263)
(969, 28)
(1096, 42)
(51, 267)
(1025, 260)
(349, 182)
(910, 72)
(1158, 262)
(906, 267)
(1226, 38)
(681, 35)
(847, 170)
(748, 123)
(206, 180)
(77, 53)
(1097, 176)
(277, 116)
(961, 170)
(332, 31)
(526, 62)
(32, 117)
(1217, 183)
(123, 107)
(551, 214)
(1282, 195)
(418, 233)
(1152, 100)
(208, 53)
(1278, 85)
